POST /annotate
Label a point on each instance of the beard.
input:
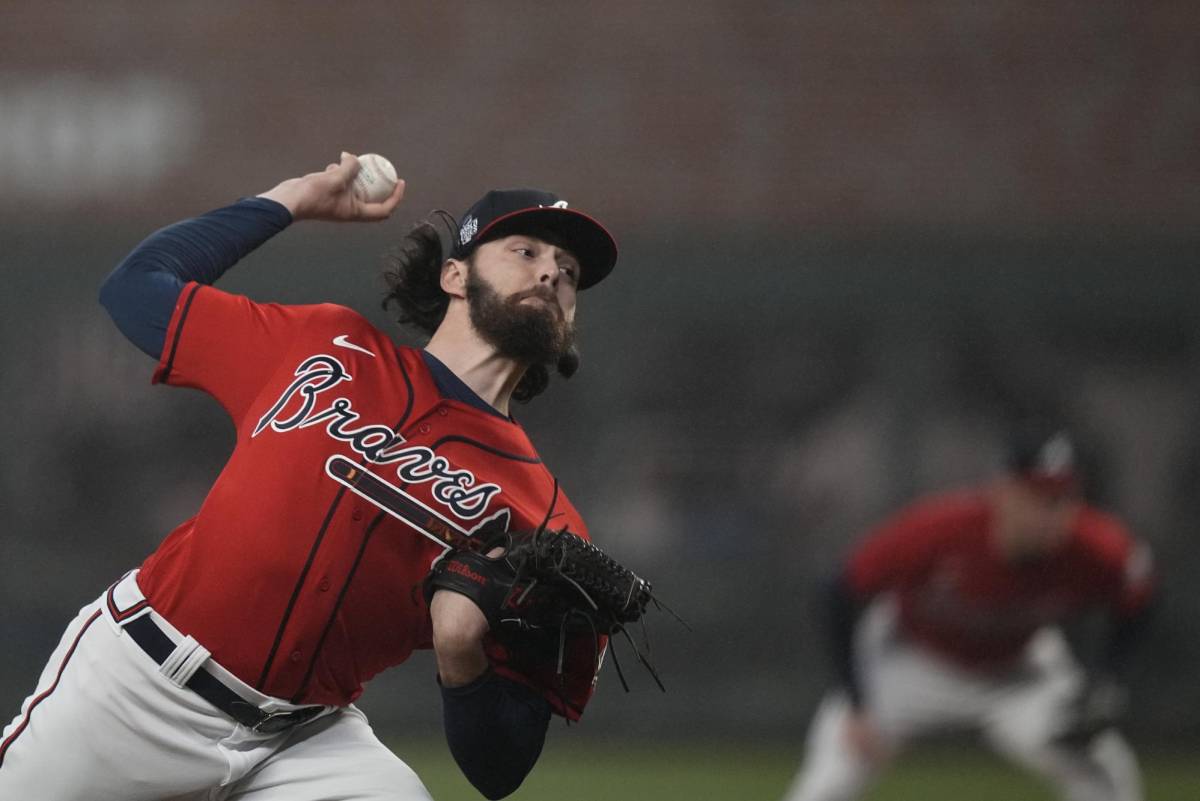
(529, 334)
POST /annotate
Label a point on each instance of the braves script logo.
(415, 464)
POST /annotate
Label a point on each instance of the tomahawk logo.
(297, 408)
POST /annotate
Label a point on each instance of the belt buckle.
(278, 721)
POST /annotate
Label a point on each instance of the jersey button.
(356, 514)
(423, 428)
(443, 411)
(324, 585)
(295, 656)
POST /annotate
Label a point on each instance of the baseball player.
(227, 664)
(945, 617)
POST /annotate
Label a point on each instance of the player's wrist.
(458, 631)
(460, 668)
(291, 194)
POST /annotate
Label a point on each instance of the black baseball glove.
(537, 588)
(1099, 705)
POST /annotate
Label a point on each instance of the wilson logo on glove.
(466, 572)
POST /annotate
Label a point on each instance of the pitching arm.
(140, 294)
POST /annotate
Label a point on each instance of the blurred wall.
(855, 239)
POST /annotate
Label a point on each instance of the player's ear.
(454, 278)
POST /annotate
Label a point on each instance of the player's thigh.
(338, 756)
(1023, 726)
(911, 692)
(101, 726)
(1025, 714)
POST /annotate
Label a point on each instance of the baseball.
(376, 180)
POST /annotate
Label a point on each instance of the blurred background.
(856, 239)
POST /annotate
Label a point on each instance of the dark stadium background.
(855, 239)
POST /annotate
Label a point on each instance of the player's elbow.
(496, 777)
(498, 789)
(495, 729)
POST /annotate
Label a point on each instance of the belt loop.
(184, 661)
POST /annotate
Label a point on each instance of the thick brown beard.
(529, 334)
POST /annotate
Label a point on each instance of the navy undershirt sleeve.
(495, 728)
(1125, 636)
(140, 293)
(844, 612)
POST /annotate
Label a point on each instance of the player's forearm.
(495, 729)
(140, 293)
(458, 631)
(459, 663)
(1125, 635)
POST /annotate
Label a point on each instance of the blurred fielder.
(945, 617)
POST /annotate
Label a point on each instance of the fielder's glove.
(544, 586)
(1100, 705)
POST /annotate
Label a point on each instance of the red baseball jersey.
(960, 597)
(298, 585)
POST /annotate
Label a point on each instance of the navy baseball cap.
(1044, 455)
(503, 212)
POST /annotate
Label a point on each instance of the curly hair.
(413, 280)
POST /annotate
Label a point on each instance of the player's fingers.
(346, 167)
(383, 209)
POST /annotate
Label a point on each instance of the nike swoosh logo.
(341, 341)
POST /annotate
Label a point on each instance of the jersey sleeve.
(227, 345)
(900, 551)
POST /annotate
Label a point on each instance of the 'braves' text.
(296, 408)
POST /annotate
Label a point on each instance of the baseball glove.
(539, 587)
(1098, 706)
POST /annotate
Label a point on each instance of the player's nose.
(547, 271)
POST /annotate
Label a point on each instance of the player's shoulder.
(1103, 534)
(933, 522)
(1103, 542)
(335, 314)
(346, 327)
(332, 314)
(952, 508)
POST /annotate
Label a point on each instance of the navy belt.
(158, 646)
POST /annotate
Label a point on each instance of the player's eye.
(524, 251)
(570, 271)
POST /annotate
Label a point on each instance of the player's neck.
(489, 375)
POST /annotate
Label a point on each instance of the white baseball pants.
(106, 724)
(909, 692)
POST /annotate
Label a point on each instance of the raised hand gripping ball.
(375, 180)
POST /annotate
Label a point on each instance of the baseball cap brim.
(587, 239)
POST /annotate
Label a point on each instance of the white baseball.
(376, 180)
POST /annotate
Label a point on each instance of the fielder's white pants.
(909, 692)
(106, 724)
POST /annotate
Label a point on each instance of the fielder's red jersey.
(962, 599)
(296, 584)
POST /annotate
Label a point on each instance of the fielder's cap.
(503, 212)
(1043, 454)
